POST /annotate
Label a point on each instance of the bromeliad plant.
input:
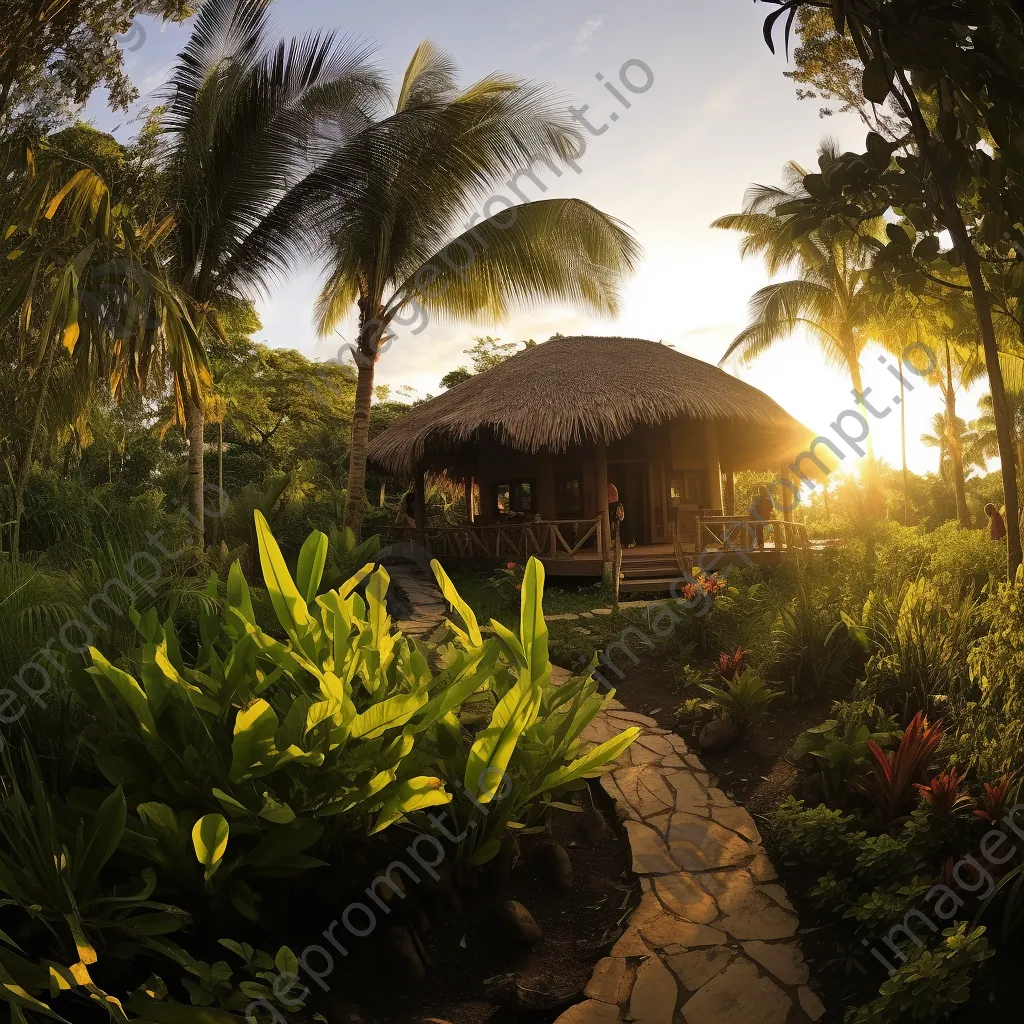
(744, 698)
(890, 786)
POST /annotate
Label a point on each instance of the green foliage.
(931, 983)
(916, 639)
(838, 748)
(743, 699)
(815, 835)
(260, 976)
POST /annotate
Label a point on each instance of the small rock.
(718, 735)
(594, 826)
(516, 923)
(558, 864)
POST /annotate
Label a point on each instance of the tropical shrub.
(743, 699)
(65, 907)
(808, 652)
(815, 835)
(916, 640)
(930, 983)
(249, 759)
(895, 775)
(838, 749)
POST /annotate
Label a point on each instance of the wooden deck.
(574, 547)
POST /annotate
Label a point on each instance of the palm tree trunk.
(355, 494)
(956, 454)
(872, 484)
(957, 227)
(196, 435)
(26, 461)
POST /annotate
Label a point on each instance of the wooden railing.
(741, 533)
(546, 538)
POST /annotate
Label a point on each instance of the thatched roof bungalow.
(541, 437)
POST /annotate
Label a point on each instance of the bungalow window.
(568, 497)
(515, 498)
(689, 487)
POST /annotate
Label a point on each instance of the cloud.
(587, 29)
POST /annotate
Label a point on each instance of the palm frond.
(556, 250)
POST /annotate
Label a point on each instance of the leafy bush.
(743, 699)
(250, 758)
(839, 748)
(917, 640)
(815, 835)
(931, 983)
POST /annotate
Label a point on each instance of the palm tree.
(248, 124)
(830, 297)
(952, 440)
(101, 279)
(985, 426)
(391, 199)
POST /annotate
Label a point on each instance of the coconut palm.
(247, 123)
(953, 440)
(830, 297)
(985, 426)
(392, 201)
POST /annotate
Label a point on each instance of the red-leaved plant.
(945, 794)
(732, 665)
(995, 798)
(893, 776)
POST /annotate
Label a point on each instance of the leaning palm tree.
(392, 200)
(247, 124)
(830, 297)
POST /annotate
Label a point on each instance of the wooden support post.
(730, 492)
(602, 499)
(715, 498)
(470, 499)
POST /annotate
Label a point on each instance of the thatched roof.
(572, 391)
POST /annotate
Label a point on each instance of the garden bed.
(475, 974)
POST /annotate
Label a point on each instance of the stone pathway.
(429, 609)
(714, 938)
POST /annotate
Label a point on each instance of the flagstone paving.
(713, 940)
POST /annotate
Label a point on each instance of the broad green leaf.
(511, 643)
(127, 688)
(238, 593)
(533, 630)
(591, 763)
(310, 570)
(234, 807)
(288, 604)
(210, 836)
(252, 746)
(451, 595)
(494, 747)
(276, 810)
(409, 796)
(387, 714)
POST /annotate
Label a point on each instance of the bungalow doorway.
(631, 481)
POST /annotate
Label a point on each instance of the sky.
(710, 113)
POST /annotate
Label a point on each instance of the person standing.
(761, 513)
(996, 525)
(616, 513)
